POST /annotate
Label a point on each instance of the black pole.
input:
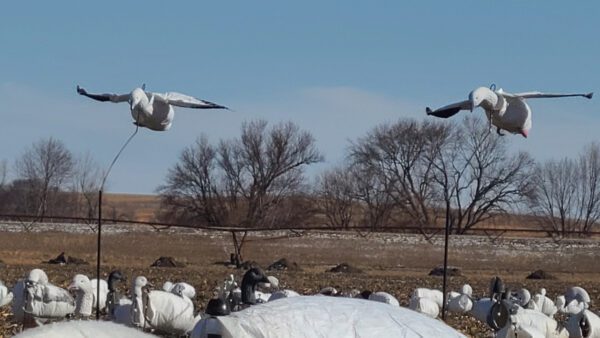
(99, 254)
(447, 235)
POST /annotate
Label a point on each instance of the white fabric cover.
(83, 329)
(332, 317)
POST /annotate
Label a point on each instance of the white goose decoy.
(334, 317)
(384, 297)
(188, 290)
(5, 296)
(544, 304)
(44, 300)
(153, 110)
(85, 299)
(426, 301)
(504, 110)
(461, 302)
(169, 312)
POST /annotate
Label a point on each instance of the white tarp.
(332, 317)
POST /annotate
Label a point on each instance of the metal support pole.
(444, 282)
(99, 251)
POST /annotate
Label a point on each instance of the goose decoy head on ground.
(251, 278)
(115, 277)
(36, 276)
(217, 307)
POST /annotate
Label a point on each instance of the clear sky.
(336, 68)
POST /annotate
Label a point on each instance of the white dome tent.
(309, 316)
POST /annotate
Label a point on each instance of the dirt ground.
(393, 263)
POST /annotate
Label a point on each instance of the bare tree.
(44, 167)
(589, 171)
(87, 178)
(3, 173)
(567, 194)
(374, 194)
(246, 182)
(477, 176)
(394, 155)
(337, 196)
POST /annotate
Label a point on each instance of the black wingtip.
(589, 95)
(80, 90)
(428, 110)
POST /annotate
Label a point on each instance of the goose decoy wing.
(450, 110)
(540, 95)
(182, 100)
(104, 97)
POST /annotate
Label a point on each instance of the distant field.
(391, 262)
(136, 207)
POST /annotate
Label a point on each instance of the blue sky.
(336, 68)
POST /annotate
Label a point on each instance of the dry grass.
(394, 267)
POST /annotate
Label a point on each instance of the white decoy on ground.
(460, 302)
(504, 110)
(44, 300)
(188, 290)
(384, 297)
(544, 304)
(83, 329)
(153, 110)
(168, 312)
(333, 317)
(5, 296)
(86, 293)
(426, 301)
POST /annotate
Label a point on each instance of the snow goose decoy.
(153, 110)
(5, 296)
(186, 289)
(384, 297)
(44, 300)
(461, 302)
(335, 317)
(504, 110)
(168, 312)
(426, 301)
(86, 293)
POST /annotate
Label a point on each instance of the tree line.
(405, 173)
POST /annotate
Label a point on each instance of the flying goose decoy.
(506, 111)
(153, 110)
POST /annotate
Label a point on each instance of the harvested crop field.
(395, 263)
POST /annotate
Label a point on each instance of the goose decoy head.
(80, 282)
(496, 287)
(217, 307)
(115, 277)
(479, 95)
(178, 289)
(251, 278)
(36, 276)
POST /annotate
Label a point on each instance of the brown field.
(393, 263)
